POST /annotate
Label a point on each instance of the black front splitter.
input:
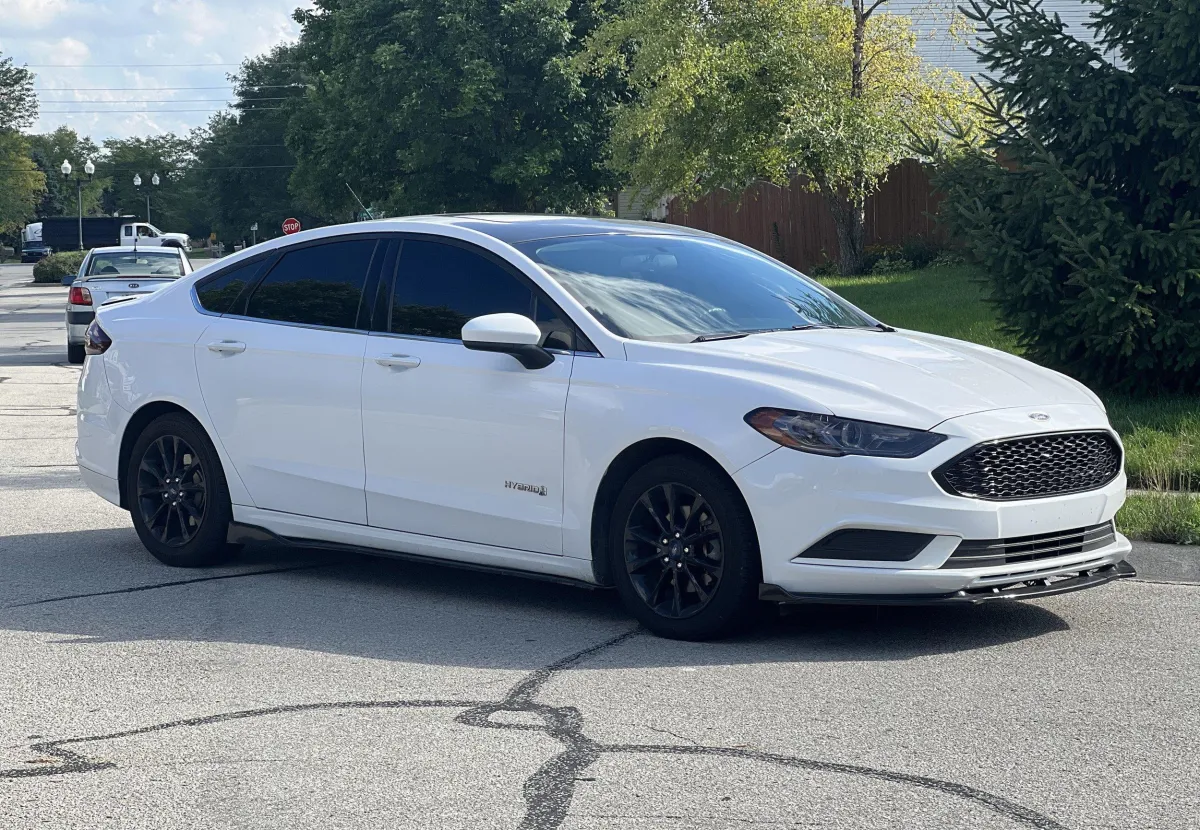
(1021, 589)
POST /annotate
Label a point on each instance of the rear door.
(281, 375)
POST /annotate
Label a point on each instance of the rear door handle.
(227, 347)
(398, 361)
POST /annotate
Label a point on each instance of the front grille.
(984, 553)
(1032, 467)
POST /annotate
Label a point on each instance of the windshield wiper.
(725, 335)
(734, 335)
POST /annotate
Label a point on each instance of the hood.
(904, 378)
(182, 237)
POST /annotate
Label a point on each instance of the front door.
(282, 381)
(462, 444)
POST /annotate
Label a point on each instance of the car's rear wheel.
(177, 495)
(75, 353)
(684, 551)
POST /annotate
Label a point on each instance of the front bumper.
(1031, 588)
(798, 499)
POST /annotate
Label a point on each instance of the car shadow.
(102, 586)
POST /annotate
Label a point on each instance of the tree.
(21, 183)
(728, 92)
(168, 155)
(450, 105)
(18, 102)
(1084, 205)
(243, 160)
(48, 152)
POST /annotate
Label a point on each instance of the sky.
(121, 68)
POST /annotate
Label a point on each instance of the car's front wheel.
(177, 495)
(683, 550)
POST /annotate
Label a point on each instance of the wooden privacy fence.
(794, 225)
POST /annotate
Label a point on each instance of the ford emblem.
(138, 284)
(1039, 416)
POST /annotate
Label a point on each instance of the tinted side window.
(440, 287)
(218, 293)
(320, 285)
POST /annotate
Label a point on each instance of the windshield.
(679, 288)
(139, 263)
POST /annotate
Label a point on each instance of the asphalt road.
(307, 690)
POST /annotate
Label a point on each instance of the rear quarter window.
(217, 293)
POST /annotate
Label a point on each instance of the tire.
(682, 591)
(75, 353)
(174, 458)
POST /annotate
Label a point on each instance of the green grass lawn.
(1161, 435)
(948, 300)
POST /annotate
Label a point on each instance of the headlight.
(830, 435)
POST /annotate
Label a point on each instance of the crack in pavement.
(136, 588)
(548, 792)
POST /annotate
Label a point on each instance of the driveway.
(303, 689)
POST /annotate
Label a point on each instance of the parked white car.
(107, 273)
(614, 403)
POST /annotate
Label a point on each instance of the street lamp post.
(137, 182)
(89, 169)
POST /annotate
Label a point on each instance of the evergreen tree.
(1084, 204)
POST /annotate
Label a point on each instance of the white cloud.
(32, 14)
(68, 51)
(83, 51)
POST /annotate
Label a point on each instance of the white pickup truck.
(146, 235)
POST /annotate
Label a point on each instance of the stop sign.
(291, 225)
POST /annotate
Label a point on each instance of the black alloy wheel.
(172, 490)
(674, 550)
(683, 551)
(176, 492)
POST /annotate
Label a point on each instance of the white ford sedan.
(622, 404)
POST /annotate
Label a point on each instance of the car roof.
(131, 249)
(513, 228)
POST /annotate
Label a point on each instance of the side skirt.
(253, 524)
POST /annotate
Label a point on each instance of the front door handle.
(398, 361)
(227, 347)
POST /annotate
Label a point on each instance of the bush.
(891, 264)
(1084, 204)
(56, 266)
(825, 268)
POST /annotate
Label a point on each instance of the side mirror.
(513, 334)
